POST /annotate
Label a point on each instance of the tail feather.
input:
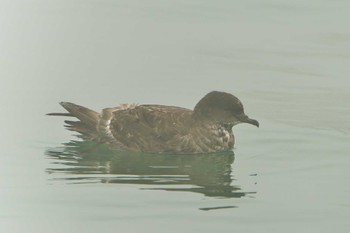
(88, 120)
(85, 115)
(85, 131)
(59, 114)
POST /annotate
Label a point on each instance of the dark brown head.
(223, 108)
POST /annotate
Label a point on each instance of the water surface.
(286, 61)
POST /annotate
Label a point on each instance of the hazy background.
(288, 61)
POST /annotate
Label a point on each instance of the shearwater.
(159, 128)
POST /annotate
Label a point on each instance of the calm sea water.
(287, 61)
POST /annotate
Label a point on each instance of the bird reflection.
(208, 174)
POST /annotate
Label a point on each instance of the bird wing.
(149, 127)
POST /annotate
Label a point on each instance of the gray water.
(288, 61)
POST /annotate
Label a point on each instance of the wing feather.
(147, 127)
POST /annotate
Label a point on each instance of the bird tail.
(88, 120)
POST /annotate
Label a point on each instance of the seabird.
(161, 129)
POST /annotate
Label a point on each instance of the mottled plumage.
(159, 128)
